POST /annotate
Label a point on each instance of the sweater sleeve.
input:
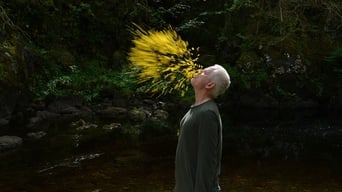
(208, 138)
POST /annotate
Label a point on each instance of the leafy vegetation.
(284, 49)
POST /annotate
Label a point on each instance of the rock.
(3, 122)
(82, 125)
(119, 101)
(9, 142)
(40, 117)
(304, 104)
(36, 135)
(62, 108)
(69, 110)
(8, 99)
(87, 126)
(78, 123)
(113, 113)
(112, 126)
(139, 114)
(160, 114)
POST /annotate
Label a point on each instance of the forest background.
(278, 53)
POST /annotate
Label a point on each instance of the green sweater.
(199, 149)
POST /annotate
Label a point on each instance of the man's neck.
(201, 99)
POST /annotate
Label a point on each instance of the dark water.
(262, 152)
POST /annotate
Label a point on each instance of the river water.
(263, 152)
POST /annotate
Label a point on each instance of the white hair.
(221, 79)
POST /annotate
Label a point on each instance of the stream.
(263, 152)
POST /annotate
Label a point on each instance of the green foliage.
(79, 47)
(2, 72)
(249, 80)
(237, 4)
(5, 59)
(335, 56)
(335, 60)
(9, 39)
(87, 82)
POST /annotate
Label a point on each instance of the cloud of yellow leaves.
(163, 60)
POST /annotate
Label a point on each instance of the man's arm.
(207, 154)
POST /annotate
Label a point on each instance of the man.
(199, 149)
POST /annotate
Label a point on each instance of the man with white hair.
(199, 149)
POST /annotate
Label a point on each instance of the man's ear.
(210, 85)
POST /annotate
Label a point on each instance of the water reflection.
(70, 162)
(263, 151)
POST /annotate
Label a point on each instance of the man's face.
(201, 79)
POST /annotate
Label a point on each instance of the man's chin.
(192, 81)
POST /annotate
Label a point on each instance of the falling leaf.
(163, 60)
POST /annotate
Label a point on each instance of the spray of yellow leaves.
(163, 59)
